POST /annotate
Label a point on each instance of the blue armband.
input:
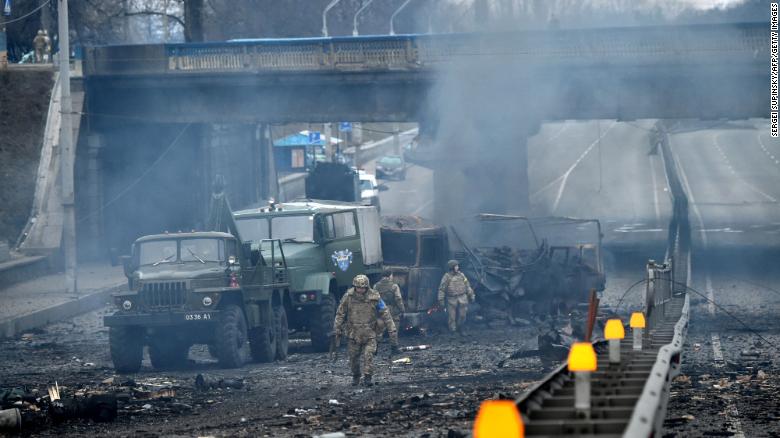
(380, 306)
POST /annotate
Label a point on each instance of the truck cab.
(325, 243)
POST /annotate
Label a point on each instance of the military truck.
(325, 244)
(333, 181)
(201, 287)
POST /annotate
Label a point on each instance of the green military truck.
(201, 287)
(325, 244)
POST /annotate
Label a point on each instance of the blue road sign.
(345, 127)
(314, 137)
(7, 8)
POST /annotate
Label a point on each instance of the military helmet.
(452, 263)
(361, 281)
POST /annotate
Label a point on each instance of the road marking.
(422, 207)
(766, 151)
(574, 166)
(655, 192)
(560, 131)
(734, 172)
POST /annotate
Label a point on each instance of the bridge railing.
(650, 45)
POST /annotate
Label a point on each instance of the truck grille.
(164, 294)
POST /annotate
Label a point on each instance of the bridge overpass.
(617, 73)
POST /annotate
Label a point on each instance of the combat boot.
(367, 380)
(355, 380)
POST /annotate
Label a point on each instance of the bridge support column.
(92, 229)
(484, 175)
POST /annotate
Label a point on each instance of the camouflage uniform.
(455, 287)
(391, 295)
(362, 312)
(39, 42)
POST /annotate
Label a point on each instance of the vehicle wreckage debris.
(204, 382)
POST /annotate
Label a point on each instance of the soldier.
(391, 295)
(455, 287)
(362, 307)
(47, 46)
(39, 42)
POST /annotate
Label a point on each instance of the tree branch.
(161, 14)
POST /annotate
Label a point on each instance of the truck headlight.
(302, 298)
(127, 304)
(207, 301)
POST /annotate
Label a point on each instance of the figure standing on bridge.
(456, 289)
(391, 295)
(361, 308)
(39, 43)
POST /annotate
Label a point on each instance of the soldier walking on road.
(391, 295)
(39, 43)
(456, 289)
(361, 308)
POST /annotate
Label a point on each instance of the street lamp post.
(67, 154)
(355, 18)
(325, 16)
(392, 17)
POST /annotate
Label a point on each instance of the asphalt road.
(604, 170)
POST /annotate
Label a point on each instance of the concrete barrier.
(13, 327)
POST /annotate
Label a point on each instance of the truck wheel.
(282, 332)
(168, 354)
(127, 348)
(231, 337)
(322, 324)
(262, 341)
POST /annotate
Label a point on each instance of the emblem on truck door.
(342, 259)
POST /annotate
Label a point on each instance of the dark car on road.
(391, 166)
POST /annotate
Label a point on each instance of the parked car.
(369, 189)
(391, 166)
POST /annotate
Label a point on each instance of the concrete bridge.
(619, 73)
(138, 98)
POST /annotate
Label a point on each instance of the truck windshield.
(298, 228)
(202, 250)
(253, 229)
(158, 251)
(366, 184)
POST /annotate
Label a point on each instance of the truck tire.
(322, 324)
(262, 342)
(231, 337)
(168, 354)
(127, 348)
(282, 332)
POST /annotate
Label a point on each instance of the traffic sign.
(7, 8)
(345, 127)
(314, 137)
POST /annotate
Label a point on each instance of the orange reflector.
(637, 320)
(582, 357)
(614, 329)
(498, 418)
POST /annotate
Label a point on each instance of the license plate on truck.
(200, 316)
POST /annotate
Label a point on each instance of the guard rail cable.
(629, 399)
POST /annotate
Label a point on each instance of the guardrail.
(638, 45)
(619, 405)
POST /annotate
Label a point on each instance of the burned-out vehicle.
(416, 252)
(200, 288)
(325, 244)
(526, 266)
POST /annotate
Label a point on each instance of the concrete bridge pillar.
(91, 211)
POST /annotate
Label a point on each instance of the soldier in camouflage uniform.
(362, 307)
(391, 295)
(456, 289)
